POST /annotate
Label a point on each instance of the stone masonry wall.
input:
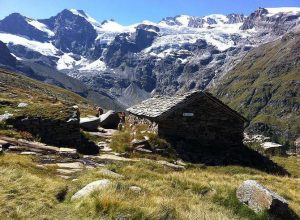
(135, 120)
(51, 131)
(209, 125)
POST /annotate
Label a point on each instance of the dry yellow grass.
(27, 192)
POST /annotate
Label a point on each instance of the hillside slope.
(42, 99)
(265, 87)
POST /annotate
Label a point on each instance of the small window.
(187, 114)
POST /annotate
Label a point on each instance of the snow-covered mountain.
(176, 54)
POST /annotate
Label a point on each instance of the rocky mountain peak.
(278, 20)
(18, 24)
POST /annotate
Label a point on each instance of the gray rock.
(90, 123)
(259, 198)
(110, 173)
(140, 144)
(5, 116)
(22, 105)
(88, 189)
(171, 165)
(109, 120)
(142, 150)
(135, 189)
(68, 152)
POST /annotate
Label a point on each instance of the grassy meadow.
(199, 192)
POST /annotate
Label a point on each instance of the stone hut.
(196, 117)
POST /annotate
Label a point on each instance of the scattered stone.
(68, 152)
(104, 147)
(29, 153)
(259, 198)
(271, 148)
(142, 150)
(255, 138)
(135, 189)
(113, 157)
(64, 177)
(181, 163)
(109, 120)
(90, 123)
(110, 173)
(140, 144)
(22, 105)
(171, 165)
(5, 116)
(74, 180)
(88, 189)
(74, 165)
(4, 144)
(68, 171)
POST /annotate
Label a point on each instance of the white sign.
(188, 114)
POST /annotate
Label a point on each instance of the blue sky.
(132, 11)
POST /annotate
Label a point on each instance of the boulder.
(135, 189)
(259, 198)
(22, 105)
(89, 123)
(109, 120)
(88, 189)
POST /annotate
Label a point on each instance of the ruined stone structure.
(51, 131)
(196, 117)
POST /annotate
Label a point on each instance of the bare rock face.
(259, 198)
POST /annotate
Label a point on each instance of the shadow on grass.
(227, 155)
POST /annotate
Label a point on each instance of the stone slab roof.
(158, 106)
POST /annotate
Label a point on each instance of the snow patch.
(219, 18)
(184, 20)
(40, 26)
(288, 10)
(84, 15)
(47, 49)
(112, 26)
(97, 65)
(65, 62)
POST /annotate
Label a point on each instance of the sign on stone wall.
(188, 114)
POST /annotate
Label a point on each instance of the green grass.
(263, 87)
(204, 192)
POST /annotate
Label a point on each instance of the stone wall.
(51, 131)
(135, 120)
(204, 123)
